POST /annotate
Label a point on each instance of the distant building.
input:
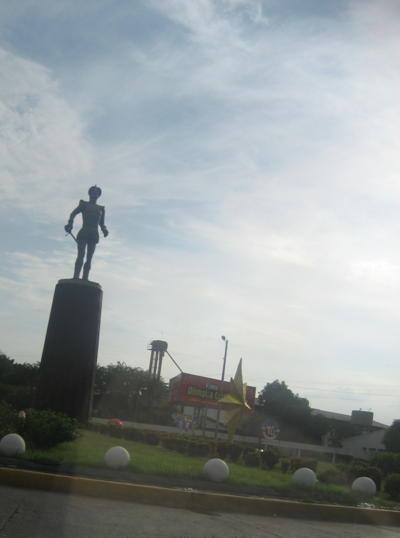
(358, 418)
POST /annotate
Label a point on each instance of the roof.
(345, 418)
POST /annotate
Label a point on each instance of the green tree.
(277, 399)
(391, 438)
(339, 430)
(17, 382)
(117, 394)
(295, 412)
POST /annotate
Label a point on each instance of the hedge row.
(186, 444)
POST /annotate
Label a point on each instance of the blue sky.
(248, 154)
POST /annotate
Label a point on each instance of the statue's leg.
(79, 259)
(91, 247)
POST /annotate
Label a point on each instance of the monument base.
(68, 365)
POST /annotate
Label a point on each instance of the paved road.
(35, 514)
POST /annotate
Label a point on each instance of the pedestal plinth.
(69, 358)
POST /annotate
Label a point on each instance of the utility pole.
(221, 388)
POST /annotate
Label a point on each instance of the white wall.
(365, 446)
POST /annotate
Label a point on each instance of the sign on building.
(195, 390)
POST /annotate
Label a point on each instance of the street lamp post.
(221, 388)
(137, 401)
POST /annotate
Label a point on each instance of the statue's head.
(94, 192)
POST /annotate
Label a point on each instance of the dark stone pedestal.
(69, 358)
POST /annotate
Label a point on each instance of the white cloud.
(43, 153)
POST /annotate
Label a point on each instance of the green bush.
(299, 463)
(211, 444)
(8, 419)
(168, 442)
(252, 459)
(46, 429)
(103, 428)
(133, 434)
(284, 462)
(247, 450)
(333, 475)
(392, 486)
(181, 445)
(373, 473)
(388, 463)
(234, 451)
(222, 449)
(198, 448)
(343, 467)
(91, 426)
(269, 458)
(115, 431)
(152, 438)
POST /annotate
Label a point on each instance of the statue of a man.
(92, 216)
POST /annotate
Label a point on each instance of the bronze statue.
(93, 216)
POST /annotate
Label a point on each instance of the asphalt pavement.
(42, 514)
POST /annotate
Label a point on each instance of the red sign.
(194, 390)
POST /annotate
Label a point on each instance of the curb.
(195, 500)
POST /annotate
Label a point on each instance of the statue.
(93, 216)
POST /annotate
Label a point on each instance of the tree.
(339, 430)
(391, 438)
(278, 400)
(17, 382)
(117, 392)
(295, 412)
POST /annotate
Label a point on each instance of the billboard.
(194, 390)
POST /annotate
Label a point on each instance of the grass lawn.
(90, 448)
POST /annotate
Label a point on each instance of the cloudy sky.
(248, 154)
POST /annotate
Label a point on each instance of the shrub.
(391, 437)
(333, 475)
(222, 449)
(152, 438)
(388, 463)
(234, 451)
(181, 445)
(269, 458)
(168, 442)
(103, 428)
(299, 463)
(198, 448)
(8, 419)
(252, 459)
(91, 426)
(114, 431)
(133, 434)
(284, 465)
(192, 448)
(373, 473)
(392, 486)
(211, 444)
(343, 467)
(247, 450)
(46, 429)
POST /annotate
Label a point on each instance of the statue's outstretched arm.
(75, 212)
(102, 225)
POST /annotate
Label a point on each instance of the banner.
(194, 390)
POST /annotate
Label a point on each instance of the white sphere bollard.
(12, 445)
(216, 470)
(117, 457)
(305, 478)
(364, 486)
